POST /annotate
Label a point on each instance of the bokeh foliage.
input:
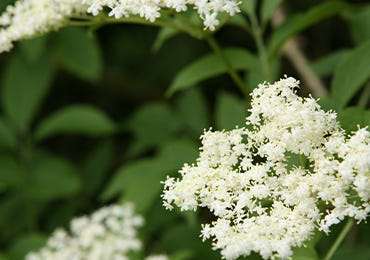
(91, 116)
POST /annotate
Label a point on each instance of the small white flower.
(27, 18)
(109, 233)
(261, 204)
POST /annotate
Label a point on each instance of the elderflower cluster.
(29, 18)
(109, 233)
(150, 9)
(291, 170)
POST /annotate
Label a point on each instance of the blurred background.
(85, 122)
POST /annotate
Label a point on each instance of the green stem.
(339, 239)
(233, 74)
(102, 20)
(262, 53)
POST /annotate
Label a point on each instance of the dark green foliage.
(90, 117)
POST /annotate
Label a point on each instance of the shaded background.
(91, 125)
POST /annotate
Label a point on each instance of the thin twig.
(293, 53)
(233, 74)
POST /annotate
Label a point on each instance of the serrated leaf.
(267, 9)
(326, 65)
(75, 119)
(151, 125)
(53, 178)
(209, 66)
(350, 75)
(79, 53)
(299, 22)
(24, 87)
(230, 112)
(192, 109)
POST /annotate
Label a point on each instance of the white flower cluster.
(28, 18)
(150, 9)
(109, 233)
(263, 202)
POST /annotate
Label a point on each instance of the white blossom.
(157, 257)
(109, 233)
(29, 18)
(261, 202)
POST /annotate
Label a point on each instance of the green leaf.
(11, 174)
(177, 152)
(25, 244)
(256, 75)
(359, 24)
(239, 21)
(359, 252)
(25, 86)
(182, 255)
(33, 48)
(305, 253)
(299, 22)
(164, 34)
(182, 237)
(79, 53)
(248, 6)
(7, 137)
(3, 256)
(230, 112)
(12, 218)
(96, 166)
(146, 174)
(209, 66)
(352, 117)
(151, 125)
(54, 178)
(138, 182)
(192, 109)
(352, 72)
(326, 65)
(75, 119)
(267, 9)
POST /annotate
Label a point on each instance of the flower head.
(109, 233)
(261, 202)
(29, 18)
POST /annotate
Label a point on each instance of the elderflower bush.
(42, 16)
(109, 233)
(261, 204)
